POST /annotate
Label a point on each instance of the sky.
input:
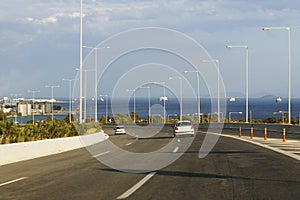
(39, 40)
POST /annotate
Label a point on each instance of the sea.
(259, 108)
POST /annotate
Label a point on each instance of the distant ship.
(278, 100)
(232, 99)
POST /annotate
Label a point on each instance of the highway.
(232, 170)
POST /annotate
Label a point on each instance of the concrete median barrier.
(10, 153)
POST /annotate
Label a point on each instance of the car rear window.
(183, 124)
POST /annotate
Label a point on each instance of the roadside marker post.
(265, 134)
(283, 135)
(240, 132)
(251, 132)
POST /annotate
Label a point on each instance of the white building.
(24, 108)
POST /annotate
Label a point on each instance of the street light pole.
(149, 103)
(96, 85)
(80, 67)
(164, 99)
(282, 115)
(70, 97)
(234, 113)
(52, 99)
(289, 64)
(198, 92)
(180, 81)
(133, 103)
(33, 92)
(85, 79)
(96, 77)
(218, 68)
(247, 76)
(106, 106)
(16, 115)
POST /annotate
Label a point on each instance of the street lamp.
(80, 66)
(96, 75)
(180, 81)
(106, 106)
(247, 76)
(289, 64)
(52, 99)
(70, 97)
(33, 93)
(282, 115)
(218, 68)
(16, 110)
(149, 103)
(198, 92)
(164, 98)
(133, 103)
(85, 78)
(240, 113)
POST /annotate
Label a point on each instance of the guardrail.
(10, 153)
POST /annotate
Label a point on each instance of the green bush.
(43, 129)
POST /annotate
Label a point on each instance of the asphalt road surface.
(232, 170)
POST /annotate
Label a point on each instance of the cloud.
(54, 19)
(34, 24)
(48, 20)
(206, 16)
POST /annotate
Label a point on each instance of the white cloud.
(54, 19)
(48, 20)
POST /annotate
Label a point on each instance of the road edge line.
(265, 146)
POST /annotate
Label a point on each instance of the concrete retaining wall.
(10, 153)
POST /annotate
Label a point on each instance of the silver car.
(182, 128)
(119, 130)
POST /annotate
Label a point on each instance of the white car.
(184, 128)
(119, 130)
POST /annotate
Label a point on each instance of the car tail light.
(176, 128)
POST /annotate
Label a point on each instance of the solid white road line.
(100, 154)
(291, 148)
(297, 152)
(13, 181)
(175, 150)
(295, 156)
(136, 186)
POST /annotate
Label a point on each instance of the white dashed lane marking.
(136, 186)
(101, 154)
(176, 149)
(13, 181)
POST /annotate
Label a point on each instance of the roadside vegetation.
(43, 129)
